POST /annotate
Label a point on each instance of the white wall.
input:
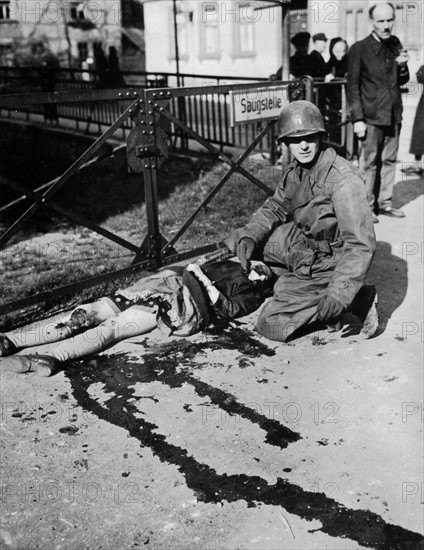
(158, 31)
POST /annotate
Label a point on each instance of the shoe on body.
(43, 365)
(7, 347)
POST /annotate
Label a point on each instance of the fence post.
(150, 168)
(308, 82)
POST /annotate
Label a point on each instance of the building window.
(76, 11)
(132, 14)
(209, 32)
(183, 20)
(409, 25)
(360, 25)
(350, 31)
(401, 30)
(244, 30)
(82, 51)
(4, 11)
(128, 48)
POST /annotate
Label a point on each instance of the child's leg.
(61, 326)
(131, 322)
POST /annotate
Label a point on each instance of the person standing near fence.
(299, 62)
(114, 76)
(337, 64)
(377, 68)
(336, 68)
(100, 65)
(317, 66)
(417, 139)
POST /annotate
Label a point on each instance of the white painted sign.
(257, 104)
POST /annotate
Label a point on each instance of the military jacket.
(328, 204)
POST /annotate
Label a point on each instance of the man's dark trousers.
(381, 142)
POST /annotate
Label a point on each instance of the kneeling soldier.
(316, 230)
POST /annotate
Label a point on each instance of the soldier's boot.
(334, 326)
(364, 306)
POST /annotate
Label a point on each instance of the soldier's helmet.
(300, 118)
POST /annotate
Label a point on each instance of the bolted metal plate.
(134, 140)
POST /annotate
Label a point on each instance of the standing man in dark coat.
(299, 62)
(317, 65)
(377, 68)
(417, 139)
(316, 231)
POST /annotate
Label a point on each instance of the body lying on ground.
(180, 301)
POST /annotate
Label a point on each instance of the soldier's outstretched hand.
(245, 249)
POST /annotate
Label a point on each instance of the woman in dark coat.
(336, 68)
(337, 64)
(417, 139)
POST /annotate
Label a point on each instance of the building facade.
(70, 30)
(243, 38)
(349, 19)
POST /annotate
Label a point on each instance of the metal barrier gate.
(156, 118)
(147, 146)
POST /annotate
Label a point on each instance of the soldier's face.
(383, 20)
(305, 149)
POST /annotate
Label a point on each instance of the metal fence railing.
(93, 117)
(159, 119)
(208, 113)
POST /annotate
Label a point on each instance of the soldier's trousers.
(304, 274)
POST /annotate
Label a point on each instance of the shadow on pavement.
(407, 189)
(389, 274)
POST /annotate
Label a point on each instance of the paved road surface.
(227, 440)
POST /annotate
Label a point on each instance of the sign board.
(257, 104)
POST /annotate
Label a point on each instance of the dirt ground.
(227, 440)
